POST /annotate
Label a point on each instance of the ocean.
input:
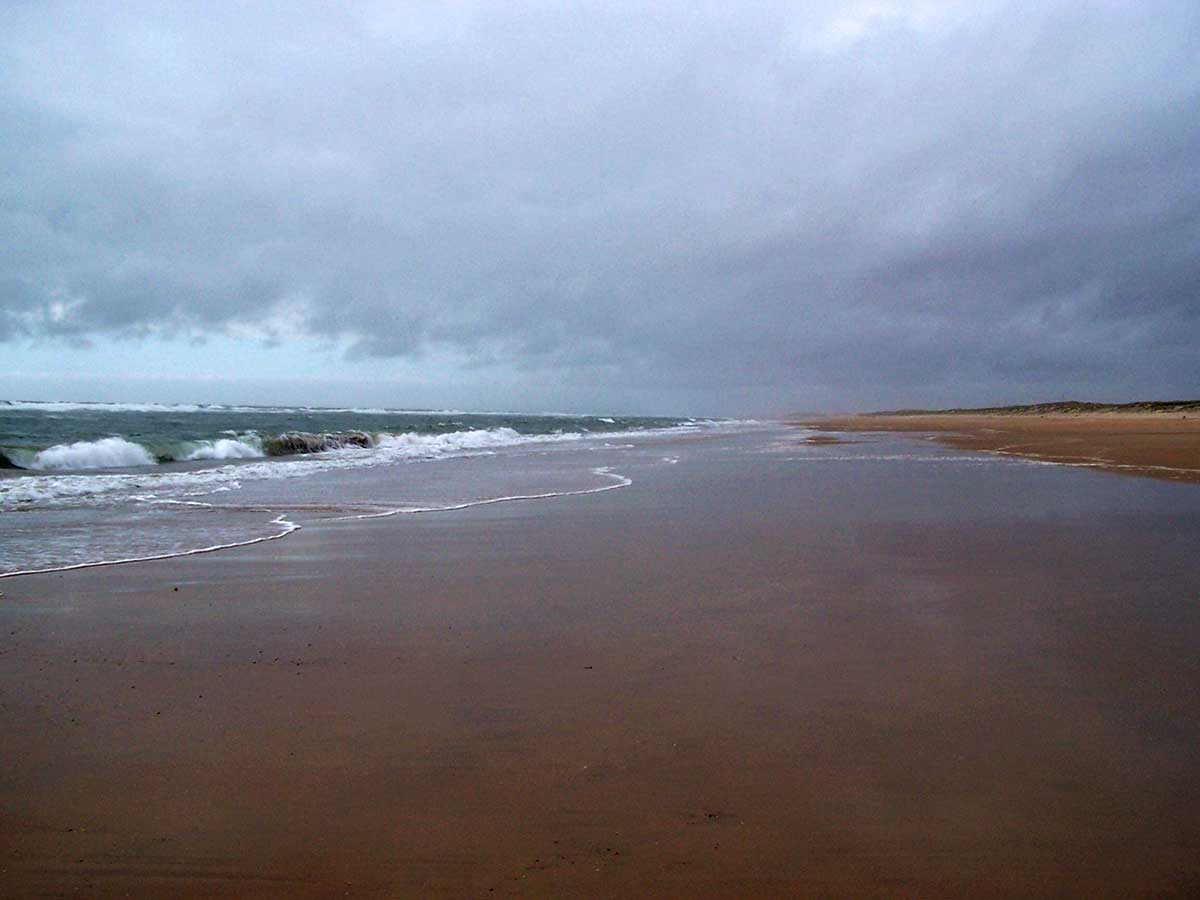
(92, 483)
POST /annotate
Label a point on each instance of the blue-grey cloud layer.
(836, 204)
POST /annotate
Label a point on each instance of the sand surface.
(756, 673)
(1157, 445)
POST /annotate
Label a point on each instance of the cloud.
(823, 202)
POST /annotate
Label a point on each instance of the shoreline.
(1161, 445)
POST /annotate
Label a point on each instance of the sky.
(677, 208)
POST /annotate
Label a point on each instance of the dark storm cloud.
(820, 203)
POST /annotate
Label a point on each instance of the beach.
(884, 668)
(1150, 444)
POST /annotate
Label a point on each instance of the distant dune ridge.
(1058, 406)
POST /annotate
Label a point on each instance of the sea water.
(92, 483)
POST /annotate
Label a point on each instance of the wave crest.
(415, 444)
(226, 448)
(106, 453)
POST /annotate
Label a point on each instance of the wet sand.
(1156, 445)
(737, 678)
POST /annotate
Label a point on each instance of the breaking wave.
(478, 439)
(226, 448)
(253, 462)
(119, 452)
(106, 453)
(76, 406)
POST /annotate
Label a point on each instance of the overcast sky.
(625, 207)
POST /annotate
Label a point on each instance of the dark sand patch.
(823, 439)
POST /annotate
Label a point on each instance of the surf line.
(287, 526)
(290, 527)
(621, 482)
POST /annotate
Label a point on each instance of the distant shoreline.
(1153, 439)
(1058, 406)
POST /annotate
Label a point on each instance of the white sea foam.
(35, 491)
(226, 448)
(106, 453)
(73, 405)
(414, 445)
(618, 481)
(285, 525)
(65, 490)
